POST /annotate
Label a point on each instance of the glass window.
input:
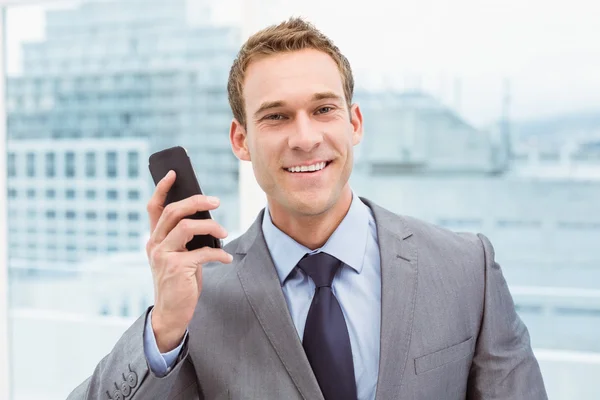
(12, 165)
(70, 214)
(90, 165)
(111, 215)
(70, 193)
(133, 216)
(50, 165)
(112, 194)
(111, 164)
(30, 165)
(50, 193)
(133, 164)
(31, 193)
(69, 164)
(90, 194)
(12, 193)
(133, 195)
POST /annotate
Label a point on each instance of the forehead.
(290, 77)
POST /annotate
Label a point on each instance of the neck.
(312, 231)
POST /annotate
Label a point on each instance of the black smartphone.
(186, 185)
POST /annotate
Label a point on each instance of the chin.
(310, 203)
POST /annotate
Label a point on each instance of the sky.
(462, 51)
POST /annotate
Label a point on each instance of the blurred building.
(112, 82)
(565, 147)
(71, 199)
(414, 133)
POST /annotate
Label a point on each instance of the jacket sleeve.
(159, 363)
(504, 366)
(124, 373)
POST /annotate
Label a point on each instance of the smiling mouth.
(308, 169)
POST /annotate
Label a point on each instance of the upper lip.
(306, 163)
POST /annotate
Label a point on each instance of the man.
(327, 295)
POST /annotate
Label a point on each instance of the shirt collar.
(347, 243)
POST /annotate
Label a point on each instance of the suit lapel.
(261, 285)
(398, 297)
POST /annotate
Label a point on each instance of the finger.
(175, 212)
(205, 255)
(186, 229)
(218, 256)
(157, 201)
(198, 274)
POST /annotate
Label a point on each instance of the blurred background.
(480, 116)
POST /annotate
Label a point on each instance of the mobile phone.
(186, 185)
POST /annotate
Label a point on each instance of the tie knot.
(321, 267)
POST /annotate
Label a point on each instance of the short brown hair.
(291, 35)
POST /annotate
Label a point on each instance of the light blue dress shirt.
(160, 363)
(357, 286)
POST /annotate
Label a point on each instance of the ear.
(356, 120)
(237, 137)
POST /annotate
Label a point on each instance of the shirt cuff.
(160, 363)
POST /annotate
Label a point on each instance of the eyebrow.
(280, 103)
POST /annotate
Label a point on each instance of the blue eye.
(324, 110)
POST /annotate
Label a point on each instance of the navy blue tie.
(326, 340)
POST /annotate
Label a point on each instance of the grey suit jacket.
(449, 329)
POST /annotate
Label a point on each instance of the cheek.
(261, 154)
(345, 142)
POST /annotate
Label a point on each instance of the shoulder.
(449, 263)
(447, 257)
(428, 237)
(436, 239)
(436, 246)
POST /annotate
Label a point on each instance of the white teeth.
(308, 168)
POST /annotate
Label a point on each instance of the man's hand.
(177, 272)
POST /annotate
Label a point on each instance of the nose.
(305, 136)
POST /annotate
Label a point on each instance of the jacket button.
(117, 395)
(125, 389)
(132, 379)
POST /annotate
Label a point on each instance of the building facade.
(111, 83)
(71, 200)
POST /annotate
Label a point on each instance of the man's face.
(297, 118)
